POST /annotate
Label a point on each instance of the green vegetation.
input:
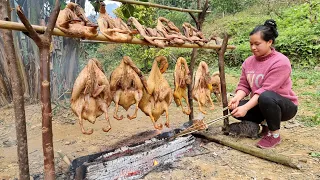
(315, 154)
(298, 26)
(306, 84)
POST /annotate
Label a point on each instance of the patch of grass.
(306, 84)
(310, 121)
(231, 87)
(310, 76)
(315, 154)
(234, 71)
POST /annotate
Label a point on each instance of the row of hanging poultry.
(93, 92)
(72, 21)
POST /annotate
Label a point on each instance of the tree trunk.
(18, 100)
(19, 54)
(34, 59)
(71, 61)
(5, 85)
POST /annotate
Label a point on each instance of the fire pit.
(135, 160)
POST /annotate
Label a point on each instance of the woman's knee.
(267, 97)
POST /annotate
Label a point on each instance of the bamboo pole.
(41, 29)
(261, 153)
(93, 41)
(160, 6)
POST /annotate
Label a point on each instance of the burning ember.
(134, 161)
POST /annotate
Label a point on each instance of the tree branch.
(224, 43)
(53, 19)
(32, 33)
(204, 10)
(202, 15)
(194, 18)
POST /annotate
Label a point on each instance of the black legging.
(271, 107)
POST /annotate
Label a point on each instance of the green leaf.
(127, 10)
(315, 154)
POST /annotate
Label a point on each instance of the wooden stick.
(160, 6)
(100, 37)
(43, 42)
(221, 53)
(64, 158)
(94, 41)
(196, 126)
(261, 153)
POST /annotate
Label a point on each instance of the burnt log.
(133, 161)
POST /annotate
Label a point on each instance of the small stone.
(291, 124)
(67, 143)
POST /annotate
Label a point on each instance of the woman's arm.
(234, 102)
(242, 110)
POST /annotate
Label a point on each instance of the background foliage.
(298, 27)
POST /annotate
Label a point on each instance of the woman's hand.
(234, 102)
(240, 111)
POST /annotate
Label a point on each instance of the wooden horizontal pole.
(160, 6)
(94, 41)
(41, 29)
(257, 152)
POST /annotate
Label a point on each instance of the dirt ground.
(220, 162)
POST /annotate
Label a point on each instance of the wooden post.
(221, 53)
(17, 92)
(191, 69)
(43, 41)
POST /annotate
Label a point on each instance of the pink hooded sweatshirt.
(271, 72)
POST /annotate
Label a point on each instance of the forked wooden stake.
(43, 41)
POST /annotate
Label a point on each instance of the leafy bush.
(300, 36)
(298, 27)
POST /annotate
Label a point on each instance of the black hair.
(268, 30)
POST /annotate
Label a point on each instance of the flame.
(155, 162)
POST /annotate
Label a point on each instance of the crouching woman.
(266, 76)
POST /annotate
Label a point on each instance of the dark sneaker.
(264, 131)
(269, 141)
